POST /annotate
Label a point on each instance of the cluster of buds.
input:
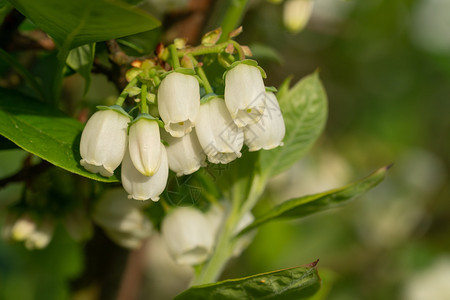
(188, 125)
(35, 234)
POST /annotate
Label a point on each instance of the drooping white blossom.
(144, 146)
(141, 187)
(104, 141)
(269, 131)
(164, 278)
(122, 220)
(185, 154)
(23, 227)
(179, 103)
(188, 236)
(244, 94)
(41, 236)
(218, 135)
(296, 14)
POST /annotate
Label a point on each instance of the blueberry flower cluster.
(188, 125)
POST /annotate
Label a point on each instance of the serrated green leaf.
(294, 283)
(81, 59)
(304, 109)
(43, 131)
(306, 205)
(72, 23)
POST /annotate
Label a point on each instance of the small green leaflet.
(44, 131)
(80, 60)
(306, 205)
(304, 109)
(73, 23)
(294, 283)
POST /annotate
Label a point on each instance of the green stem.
(201, 73)
(232, 17)
(224, 247)
(238, 49)
(174, 56)
(121, 99)
(144, 107)
(202, 50)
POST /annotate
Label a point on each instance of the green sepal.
(115, 108)
(249, 62)
(165, 143)
(146, 117)
(271, 89)
(209, 97)
(185, 71)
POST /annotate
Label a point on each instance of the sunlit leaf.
(306, 205)
(81, 59)
(73, 23)
(294, 283)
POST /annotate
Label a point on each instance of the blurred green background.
(386, 67)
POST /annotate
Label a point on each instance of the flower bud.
(104, 141)
(185, 154)
(145, 146)
(244, 94)
(178, 103)
(188, 235)
(23, 228)
(141, 187)
(269, 131)
(41, 236)
(218, 135)
(296, 14)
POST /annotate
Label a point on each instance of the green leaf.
(73, 23)
(43, 131)
(304, 110)
(294, 283)
(5, 8)
(81, 59)
(306, 205)
(284, 87)
(29, 78)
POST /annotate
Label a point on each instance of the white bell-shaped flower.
(145, 146)
(269, 131)
(141, 187)
(218, 135)
(104, 141)
(188, 236)
(178, 103)
(296, 14)
(185, 154)
(244, 94)
(122, 220)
